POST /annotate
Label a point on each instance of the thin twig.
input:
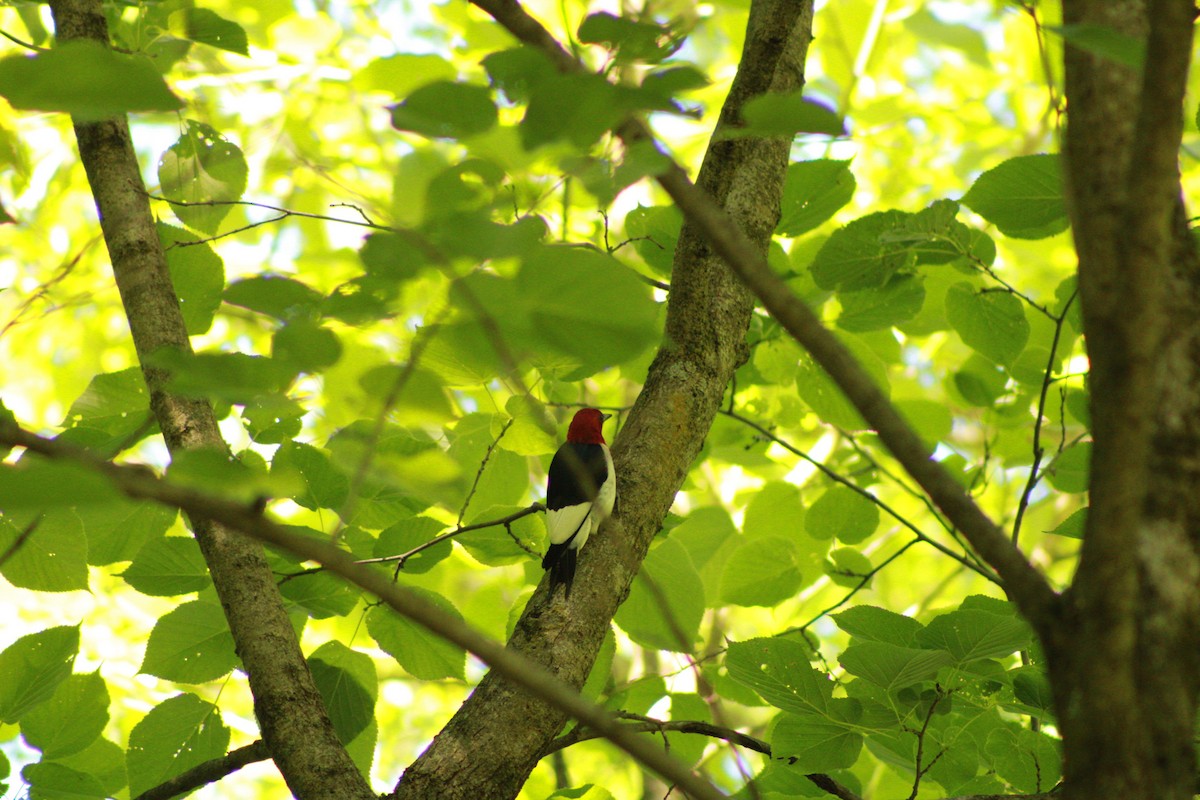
(483, 465)
(208, 772)
(1038, 450)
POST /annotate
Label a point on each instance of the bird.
(581, 491)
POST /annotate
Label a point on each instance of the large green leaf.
(892, 667)
(992, 323)
(33, 667)
(666, 602)
(53, 557)
(844, 514)
(203, 172)
(813, 191)
(446, 110)
(178, 734)
(779, 671)
(423, 654)
(586, 306)
(85, 79)
(207, 27)
(347, 682)
(817, 742)
(874, 624)
(191, 644)
(73, 717)
(972, 634)
(762, 571)
(197, 273)
(1022, 196)
(168, 567)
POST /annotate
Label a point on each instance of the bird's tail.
(560, 562)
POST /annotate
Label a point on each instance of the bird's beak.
(605, 417)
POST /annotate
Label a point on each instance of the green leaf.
(178, 734)
(102, 760)
(273, 420)
(402, 73)
(776, 509)
(114, 402)
(815, 743)
(577, 108)
(813, 191)
(197, 273)
(446, 110)
(847, 566)
(779, 671)
(233, 377)
(1103, 41)
(207, 27)
(761, 572)
(321, 594)
(787, 115)
(892, 667)
(854, 256)
(499, 545)
(118, 531)
(73, 717)
(1074, 525)
(842, 513)
(666, 602)
(587, 306)
(203, 173)
(533, 431)
(85, 79)
(991, 323)
(348, 684)
(52, 781)
(973, 634)
(653, 231)
(1069, 472)
(33, 667)
(980, 381)
(53, 558)
(275, 296)
(629, 39)
(168, 567)
(898, 300)
(423, 654)
(874, 624)
(325, 486)
(1022, 196)
(191, 644)
(932, 420)
(37, 483)
(391, 256)
(306, 346)
(823, 396)
(517, 71)
(408, 534)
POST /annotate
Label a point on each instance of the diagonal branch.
(139, 483)
(1027, 587)
(290, 711)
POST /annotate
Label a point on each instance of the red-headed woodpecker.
(580, 494)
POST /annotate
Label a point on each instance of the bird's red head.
(587, 427)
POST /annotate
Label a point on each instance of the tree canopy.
(407, 241)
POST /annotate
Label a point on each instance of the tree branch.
(209, 772)
(290, 711)
(649, 725)
(1027, 587)
(140, 484)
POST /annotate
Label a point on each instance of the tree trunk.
(496, 738)
(1125, 664)
(290, 711)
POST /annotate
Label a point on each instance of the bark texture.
(1126, 664)
(495, 739)
(290, 711)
